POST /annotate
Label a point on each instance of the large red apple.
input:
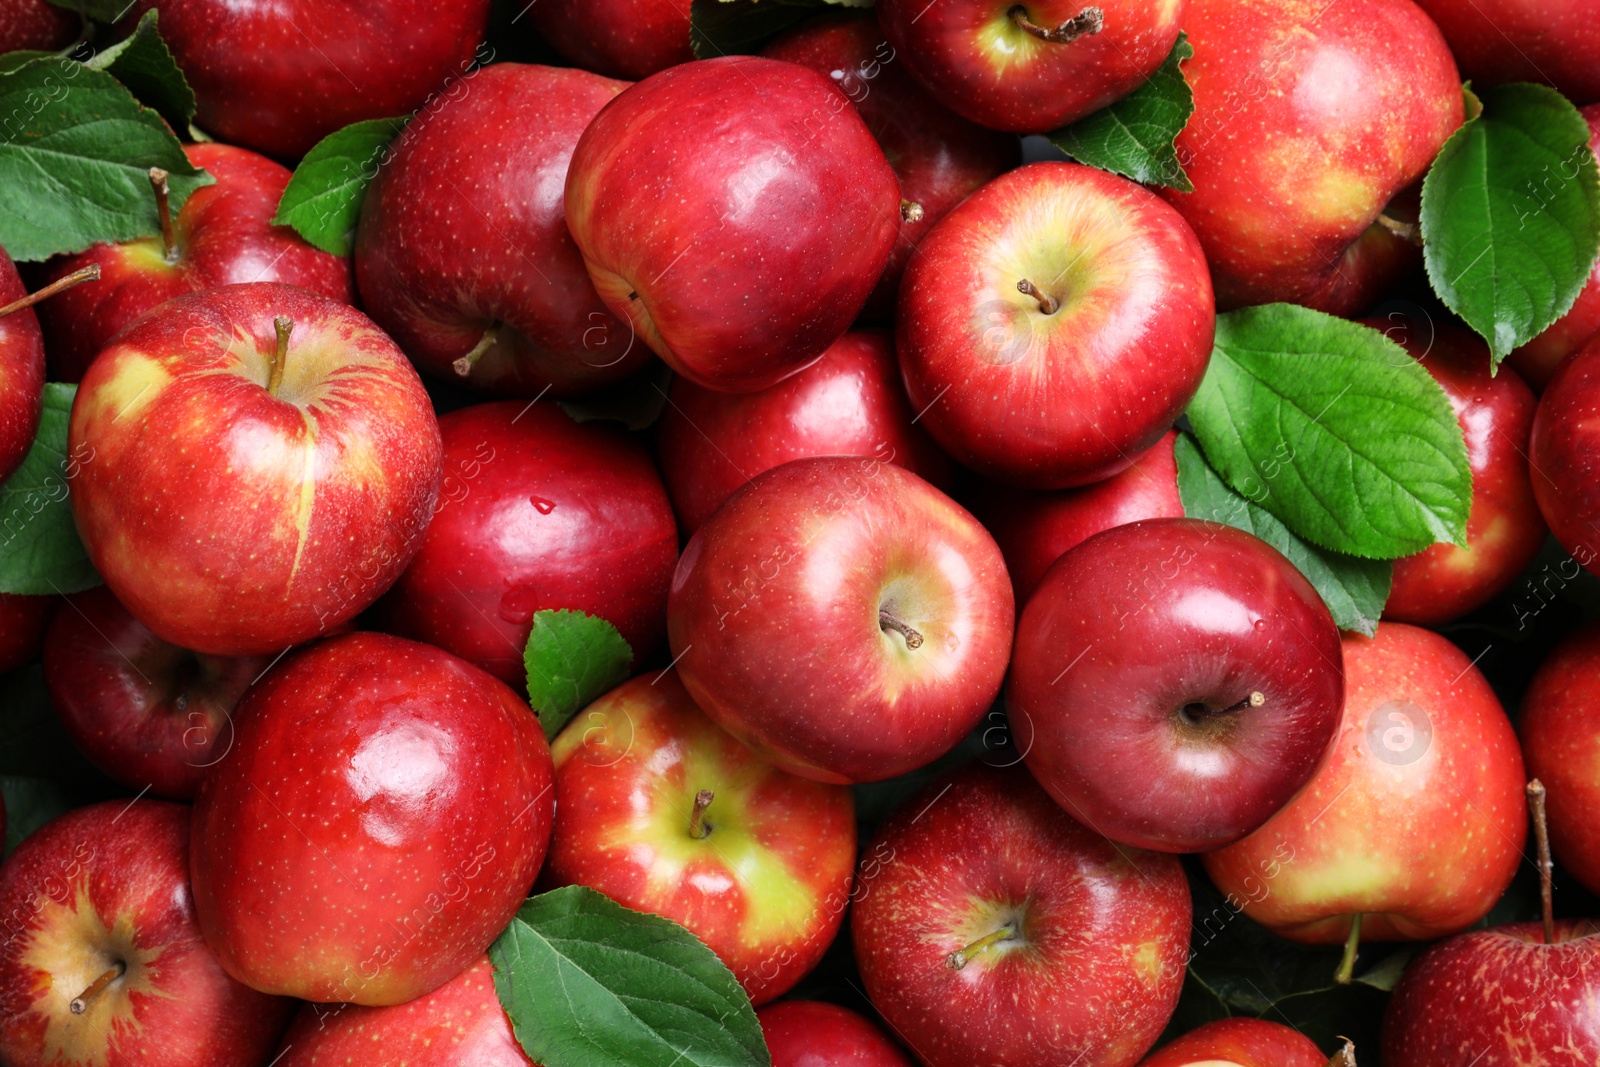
(467, 261)
(663, 811)
(22, 624)
(848, 403)
(1178, 680)
(1054, 325)
(617, 38)
(842, 617)
(1560, 731)
(36, 25)
(222, 236)
(1309, 118)
(992, 928)
(266, 463)
(102, 962)
(737, 213)
(21, 369)
(380, 818)
(536, 511)
(814, 1033)
(1552, 41)
(1564, 456)
(1240, 1042)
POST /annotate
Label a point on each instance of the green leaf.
(323, 199)
(30, 803)
(1354, 589)
(589, 983)
(11, 61)
(145, 65)
(1136, 136)
(40, 552)
(75, 156)
(741, 27)
(1334, 429)
(98, 10)
(1385, 974)
(1511, 215)
(571, 659)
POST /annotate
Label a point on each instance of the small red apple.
(1564, 455)
(36, 25)
(22, 625)
(1239, 1042)
(1552, 41)
(814, 1033)
(1560, 731)
(630, 39)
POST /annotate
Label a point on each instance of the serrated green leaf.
(571, 659)
(1511, 215)
(145, 65)
(1136, 136)
(323, 199)
(1354, 589)
(11, 61)
(99, 10)
(1334, 429)
(589, 983)
(40, 553)
(75, 155)
(741, 27)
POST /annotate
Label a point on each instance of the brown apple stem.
(81, 1003)
(463, 366)
(1254, 700)
(280, 354)
(1047, 303)
(158, 182)
(887, 620)
(963, 956)
(1346, 1056)
(1408, 232)
(1347, 965)
(911, 211)
(1090, 20)
(91, 273)
(1541, 834)
(699, 829)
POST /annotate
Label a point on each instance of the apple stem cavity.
(888, 620)
(699, 829)
(1346, 1056)
(1541, 834)
(910, 211)
(284, 325)
(90, 273)
(963, 956)
(1090, 20)
(1347, 965)
(158, 182)
(80, 1004)
(463, 366)
(1048, 304)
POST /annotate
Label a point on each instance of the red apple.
(663, 811)
(379, 820)
(1034, 530)
(1179, 681)
(1552, 41)
(1031, 67)
(536, 511)
(842, 617)
(102, 962)
(467, 261)
(1309, 118)
(1560, 731)
(267, 462)
(1504, 529)
(1239, 1042)
(938, 156)
(222, 236)
(848, 403)
(814, 1033)
(148, 713)
(737, 213)
(22, 624)
(36, 25)
(617, 38)
(460, 1024)
(1564, 456)
(992, 928)
(279, 77)
(21, 370)
(1054, 325)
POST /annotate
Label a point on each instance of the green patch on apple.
(571, 658)
(1136, 136)
(40, 553)
(323, 199)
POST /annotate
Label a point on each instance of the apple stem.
(90, 273)
(158, 182)
(1047, 303)
(1347, 965)
(1541, 834)
(963, 956)
(280, 354)
(887, 620)
(463, 366)
(1090, 20)
(699, 829)
(911, 211)
(1406, 231)
(1254, 700)
(81, 1003)
(1346, 1056)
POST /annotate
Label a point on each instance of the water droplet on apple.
(1261, 624)
(544, 506)
(518, 604)
(952, 641)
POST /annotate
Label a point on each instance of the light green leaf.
(571, 659)
(40, 553)
(323, 199)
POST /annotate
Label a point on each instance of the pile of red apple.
(856, 441)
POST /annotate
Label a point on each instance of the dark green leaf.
(1511, 215)
(99, 10)
(1136, 136)
(30, 803)
(1385, 974)
(571, 659)
(1334, 429)
(588, 983)
(40, 553)
(1354, 589)
(145, 65)
(323, 200)
(741, 27)
(10, 61)
(75, 156)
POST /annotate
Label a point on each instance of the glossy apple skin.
(1564, 455)
(1349, 115)
(381, 816)
(1107, 930)
(330, 483)
(629, 39)
(280, 77)
(738, 242)
(1239, 1042)
(1065, 399)
(766, 889)
(36, 25)
(1501, 995)
(1496, 41)
(1504, 528)
(814, 1033)
(1422, 848)
(146, 712)
(105, 884)
(459, 1024)
(938, 156)
(453, 241)
(774, 619)
(1560, 732)
(536, 512)
(222, 236)
(1137, 625)
(1034, 529)
(848, 403)
(979, 63)
(22, 625)
(21, 372)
